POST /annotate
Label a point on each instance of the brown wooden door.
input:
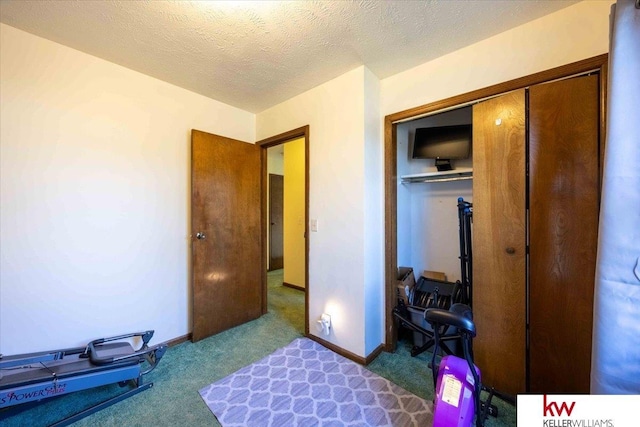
(499, 241)
(564, 198)
(227, 264)
(276, 206)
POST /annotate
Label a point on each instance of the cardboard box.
(437, 275)
(405, 279)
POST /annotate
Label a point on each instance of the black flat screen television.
(442, 143)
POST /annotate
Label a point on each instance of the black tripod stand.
(465, 219)
(465, 214)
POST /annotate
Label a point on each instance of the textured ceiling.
(255, 54)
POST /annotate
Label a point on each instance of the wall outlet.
(324, 324)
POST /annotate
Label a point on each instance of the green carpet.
(188, 367)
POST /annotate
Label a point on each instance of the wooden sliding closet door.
(564, 199)
(499, 240)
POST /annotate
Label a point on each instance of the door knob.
(510, 250)
(200, 236)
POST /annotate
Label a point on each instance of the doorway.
(286, 161)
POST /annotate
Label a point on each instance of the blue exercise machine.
(30, 378)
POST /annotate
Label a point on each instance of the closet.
(427, 199)
(537, 150)
(535, 220)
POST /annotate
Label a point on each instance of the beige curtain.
(615, 364)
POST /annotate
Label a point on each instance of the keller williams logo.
(548, 408)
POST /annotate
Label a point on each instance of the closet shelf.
(452, 175)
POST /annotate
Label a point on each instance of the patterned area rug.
(305, 384)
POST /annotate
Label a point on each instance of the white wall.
(335, 112)
(577, 32)
(95, 195)
(373, 215)
(275, 160)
